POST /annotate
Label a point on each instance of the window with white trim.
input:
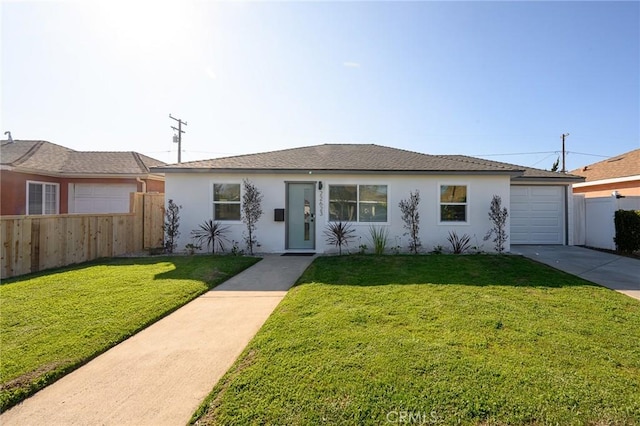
(42, 197)
(226, 201)
(453, 203)
(358, 203)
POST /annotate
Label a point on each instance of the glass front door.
(301, 216)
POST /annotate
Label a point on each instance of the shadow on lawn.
(106, 261)
(476, 270)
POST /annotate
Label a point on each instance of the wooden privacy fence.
(35, 243)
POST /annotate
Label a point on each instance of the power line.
(515, 153)
(537, 153)
(540, 161)
(592, 155)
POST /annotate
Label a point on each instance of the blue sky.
(473, 78)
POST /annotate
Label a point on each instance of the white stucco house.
(306, 188)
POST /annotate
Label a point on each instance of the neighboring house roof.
(626, 165)
(358, 158)
(49, 158)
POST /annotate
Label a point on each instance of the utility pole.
(179, 135)
(564, 168)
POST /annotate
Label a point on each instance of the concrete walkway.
(162, 374)
(609, 270)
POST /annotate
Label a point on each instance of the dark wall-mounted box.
(278, 215)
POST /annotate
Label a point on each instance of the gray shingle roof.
(48, 157)
(338, 157)
(529, 172)
(357, 157)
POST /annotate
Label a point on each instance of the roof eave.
(608, 181)
(66, 175)
(540, 179)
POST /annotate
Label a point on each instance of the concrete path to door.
(161, 375)
(609, 270)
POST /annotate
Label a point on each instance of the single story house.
(306, 188)
(620, 173)
(40, 177)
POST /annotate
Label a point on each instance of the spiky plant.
(379, 237)
(211, 232)
(459, 244)
(339, 234)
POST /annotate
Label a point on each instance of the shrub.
(379, 238)
(459, 244)
(171, 225)
(627, 237)
(498, 216)
(212, 233)
(411, 219)
(339, 234)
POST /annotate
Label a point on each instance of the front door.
(301, 213)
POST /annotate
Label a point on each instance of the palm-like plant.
(459, 244)
(213, 233)
(339, 234)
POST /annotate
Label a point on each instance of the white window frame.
(213, 202)
(440, 204)
(358, 185)
(44, 197)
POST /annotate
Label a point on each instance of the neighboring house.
(620, 173)
(39, 177)
(306, 188)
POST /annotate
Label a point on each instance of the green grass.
(53, 322)
(437, 340)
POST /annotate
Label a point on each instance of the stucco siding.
(194, 191)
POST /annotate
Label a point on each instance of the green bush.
(627, 237)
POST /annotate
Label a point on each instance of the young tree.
(556, 164)
(251, 212)
(411, 219)
(171, 225)
(498, 216)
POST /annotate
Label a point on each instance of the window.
(42, 198)
(453, 203)
(226, 201)
(358, 203)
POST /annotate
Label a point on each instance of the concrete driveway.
(161, 375)
(609, 270)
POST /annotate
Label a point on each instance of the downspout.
(144, 184)
(566, 214)
(144, 190)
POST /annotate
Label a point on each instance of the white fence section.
(594, 219)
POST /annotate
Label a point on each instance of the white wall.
(194, 191)
(595, 217)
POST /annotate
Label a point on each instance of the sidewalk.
(161, 375)
(609, 270)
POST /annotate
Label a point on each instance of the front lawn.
(438, 340)
(52, 322)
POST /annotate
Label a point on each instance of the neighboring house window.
(358, 203)
(226, 201)
(42, 198)
(453, 203)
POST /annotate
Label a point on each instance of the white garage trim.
(100, 197)
(537, 214)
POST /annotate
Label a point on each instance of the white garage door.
(101, 198)
(537, 214)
